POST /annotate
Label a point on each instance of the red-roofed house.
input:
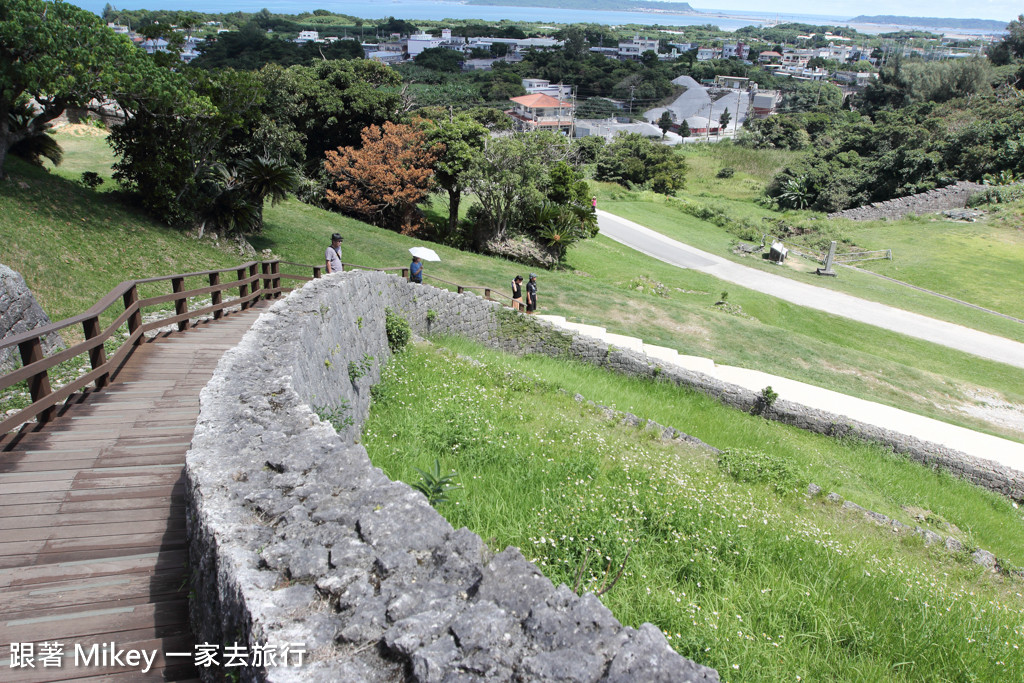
(542, 111)
(769, 57)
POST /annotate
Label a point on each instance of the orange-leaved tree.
(384, 180)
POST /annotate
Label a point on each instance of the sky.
(1002, 10)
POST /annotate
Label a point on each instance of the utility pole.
(631, 89)
(707, 133)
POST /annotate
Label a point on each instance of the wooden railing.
(253, 280)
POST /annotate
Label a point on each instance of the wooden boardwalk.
(92, 517)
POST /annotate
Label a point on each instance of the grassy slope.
(761, 583)
(976, 262)
(600, 287)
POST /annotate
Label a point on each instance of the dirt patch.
(992, 408)
(81, 130)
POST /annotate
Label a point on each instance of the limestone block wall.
(940, 199)
(20, 312)
(296, 538)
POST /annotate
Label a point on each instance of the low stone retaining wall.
(939, 199)
(296, 538)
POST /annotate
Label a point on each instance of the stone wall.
(296, 538)
(20, 312)
(933, 201)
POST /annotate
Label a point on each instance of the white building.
(705, 54)
(418, 42)
(308, 37)
(118, 29)
(740, 50)
(633, 49)
(533, 86)
(385, 56)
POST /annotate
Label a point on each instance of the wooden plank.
(75, 519)
(122, 564)
(95, 593)
(160, 619)
(175, 522)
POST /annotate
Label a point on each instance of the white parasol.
(425, 253)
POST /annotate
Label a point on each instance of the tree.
(665, 122)
(632, 159)
(724, 119)
(236, 195)
(508, 179)
(440, 59)
(460, 140)
(384, 180)
(684, 129)
(60, 56)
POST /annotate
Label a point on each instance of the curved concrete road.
(676, 253)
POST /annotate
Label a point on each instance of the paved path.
(947, 334)
(92, 516)
(985, 446)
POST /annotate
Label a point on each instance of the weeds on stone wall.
(398, 330)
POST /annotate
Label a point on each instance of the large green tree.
(459, 140)
(55, 55)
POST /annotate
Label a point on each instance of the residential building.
(541, 85)
(769, 57)
(732, 82)
(609, 128)
(154, 45)
(633, 49)
(764, 104)
(385, 56)
(705, 54)
(308, 37)
(418, 42)
(740, 50)
(118, 29)
(539, 111)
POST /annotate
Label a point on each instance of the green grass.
(975, 262)
(751, 578)
(73, 245)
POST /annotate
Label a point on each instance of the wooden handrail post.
(243, 289)
(265, 268)
(405, 274)
(316, 272)
(275, 282)
(487, 294)
(39, 383)
(459, 287)
(180, 303)
(131, 297)
(215, 297)
(255, 287)
(97, 354)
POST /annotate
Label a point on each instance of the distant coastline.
(932, 22)
(616, 5)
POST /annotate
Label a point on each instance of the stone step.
(698, 364)
(588, 330)
(556, 320)
(662, 353)
(624, 342)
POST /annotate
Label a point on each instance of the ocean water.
(439, 9)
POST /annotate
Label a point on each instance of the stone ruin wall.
(20, 312)
(932, 201)
(296, 537)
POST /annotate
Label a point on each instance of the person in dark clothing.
(531, 294)
(416, 270)
(517, 293)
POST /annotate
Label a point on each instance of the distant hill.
(620, 5)
(931, 22)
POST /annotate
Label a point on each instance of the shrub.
(727, 172)
(751, 466)
(436, 486)
(397, 329)
(91, 179)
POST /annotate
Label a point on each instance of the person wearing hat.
(416, 270)
(517, 293)
(531, 294)
(593, 204)
(333, 254)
